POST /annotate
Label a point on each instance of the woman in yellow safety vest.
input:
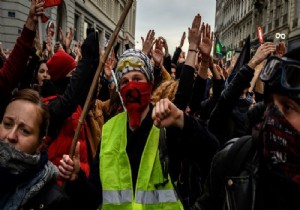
(138, 161)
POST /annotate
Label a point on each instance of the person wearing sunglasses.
(262, 171)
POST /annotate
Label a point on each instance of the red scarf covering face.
(136, 97)
(281, 144)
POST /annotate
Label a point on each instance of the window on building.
(285, 7)
(297, 8)
(276, 23)
(270, 26)
(86, 26)
(278, 11)
(271, 16)
(77, 26)
(11, 14)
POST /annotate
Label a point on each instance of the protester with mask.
(262, 171)
(130, 168)
(27, 177)
(229, 117)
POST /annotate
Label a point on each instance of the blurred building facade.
(278, 19)
(82, 15)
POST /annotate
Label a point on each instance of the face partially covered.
(136, 92)
(20, 126)
(289, 108)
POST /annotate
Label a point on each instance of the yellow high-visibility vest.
(115, 172)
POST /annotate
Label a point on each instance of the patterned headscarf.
(134, 60)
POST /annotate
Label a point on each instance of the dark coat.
(14, 67)
(228, 119)
(248, 185)
(51, 197)
(76, 92)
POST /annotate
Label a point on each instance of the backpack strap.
(237, 154)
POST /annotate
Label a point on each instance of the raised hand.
(37, 44)
(69, 39)
(157, 56)
(70, 167)
(182, 39)
(36, 9)
(49, 45)
(166, 114)
(216, 70)
(61, 36)
(205, 45)
(194, 35)
(261, 54)
(78, 52)
(2, 52)
(159, 44)
(109, 65)
(149, 42)
(165, 46)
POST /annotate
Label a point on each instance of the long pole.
(97, 74)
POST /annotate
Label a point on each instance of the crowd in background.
(181, 131)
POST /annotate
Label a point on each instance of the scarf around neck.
(24, 175)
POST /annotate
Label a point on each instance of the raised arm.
(15, 65)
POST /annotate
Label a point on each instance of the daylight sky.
(170, 18)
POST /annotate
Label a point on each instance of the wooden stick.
(98, 72)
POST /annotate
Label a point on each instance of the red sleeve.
(14, 67)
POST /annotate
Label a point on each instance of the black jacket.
(239, 179)
(185, 87)
(51, 197)
(76, 92)
(227, 120)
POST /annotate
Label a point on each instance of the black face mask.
(280, 144)
(48, 88)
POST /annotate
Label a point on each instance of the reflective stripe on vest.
(155, 197)
(117, 196)
(142, 197)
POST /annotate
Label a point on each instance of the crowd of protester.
(181, 131)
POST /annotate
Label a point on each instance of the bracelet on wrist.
(193, 50)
